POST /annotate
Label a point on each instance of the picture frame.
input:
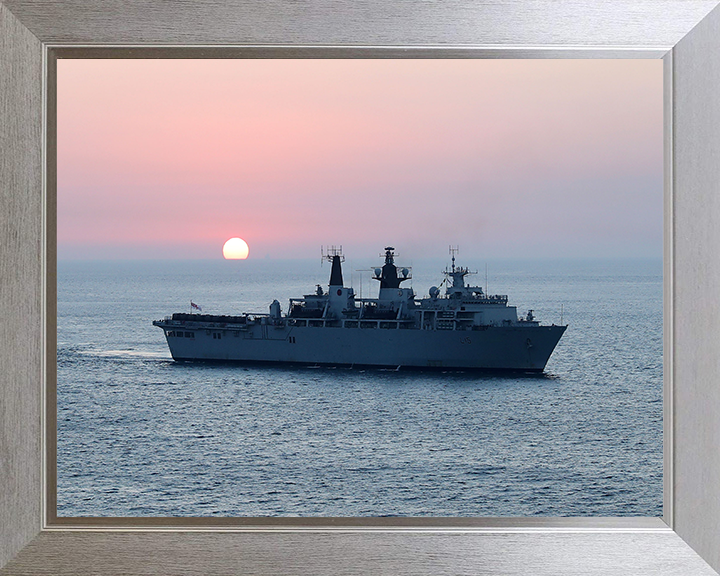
(686, 34)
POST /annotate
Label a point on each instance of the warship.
(464, 328)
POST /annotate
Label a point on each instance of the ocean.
(141, 435)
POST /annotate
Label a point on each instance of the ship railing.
(250, 317)
(496, 299)
(377, 323)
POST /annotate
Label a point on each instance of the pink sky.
(509, 158)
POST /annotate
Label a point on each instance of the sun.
(236, 249)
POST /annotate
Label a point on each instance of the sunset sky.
(506, 158)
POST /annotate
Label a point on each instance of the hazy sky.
(506, 158)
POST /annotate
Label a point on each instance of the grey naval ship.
(461, 329)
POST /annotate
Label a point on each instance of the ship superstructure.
(461, 329)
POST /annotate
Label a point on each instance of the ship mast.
(453, 250)
(457, 273)
(334, 254)
(388, 275)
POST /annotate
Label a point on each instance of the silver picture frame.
(684, 33)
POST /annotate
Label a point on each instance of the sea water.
(141, 435)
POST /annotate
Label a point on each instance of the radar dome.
(378, 271)
(434, 291)
(405, 272)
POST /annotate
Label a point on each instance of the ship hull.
(518, 348)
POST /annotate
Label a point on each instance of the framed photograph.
(685, 540)
(458, 368)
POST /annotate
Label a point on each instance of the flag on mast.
(195, 306)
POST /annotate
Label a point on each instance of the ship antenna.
(486, 286)
(453, 250)
(327, 253)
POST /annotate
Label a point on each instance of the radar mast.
(334, 254)
(457, 273)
